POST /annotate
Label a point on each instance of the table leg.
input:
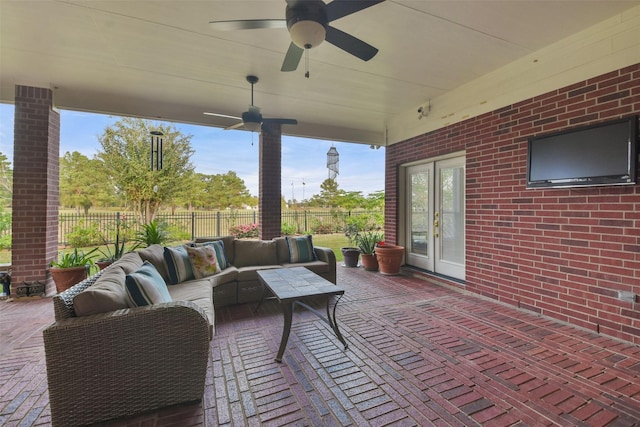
(264, 294)
(287, 312)
(333, 322)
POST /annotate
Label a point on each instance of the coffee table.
(292, 286)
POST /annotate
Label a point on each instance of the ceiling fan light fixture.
(252, 126)
(307, 34)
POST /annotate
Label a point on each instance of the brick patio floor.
(419, 354)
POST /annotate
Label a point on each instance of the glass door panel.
(434, 206)
(419, 208)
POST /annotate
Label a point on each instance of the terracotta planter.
(389, 259)
(103, 264)
(65, 278)
(351, 256)
(369, 262)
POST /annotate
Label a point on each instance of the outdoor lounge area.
(419, 354)
(530, 312)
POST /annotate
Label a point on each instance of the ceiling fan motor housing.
(307, 23)
(252, 116)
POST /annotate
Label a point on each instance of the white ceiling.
(161, 59)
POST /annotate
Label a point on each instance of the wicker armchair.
(125, 362)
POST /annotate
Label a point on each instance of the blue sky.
(218, 151)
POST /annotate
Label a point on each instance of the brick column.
(36, 155)
(270, 181)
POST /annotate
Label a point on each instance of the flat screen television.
(601, 154)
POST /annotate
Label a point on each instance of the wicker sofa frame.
(125, 362)
(131, 361)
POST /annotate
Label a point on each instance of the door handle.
(436, 223)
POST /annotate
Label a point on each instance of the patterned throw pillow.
(145, 286)
(178, 264)
(204, 261)
(300, 249)
(221, 256)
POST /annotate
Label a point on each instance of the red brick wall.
(270, 181)
(35, 185)
(564, 253)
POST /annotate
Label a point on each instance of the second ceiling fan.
(308, 25)
(252, 119)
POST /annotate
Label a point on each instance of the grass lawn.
(333, 241)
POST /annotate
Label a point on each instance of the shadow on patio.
(419, 354)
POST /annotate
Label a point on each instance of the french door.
(434, 216)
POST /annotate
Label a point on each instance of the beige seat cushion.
(107, 294)
(197, 291)
(250, 273)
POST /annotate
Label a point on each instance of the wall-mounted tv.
(601, 154)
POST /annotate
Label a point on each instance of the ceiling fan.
(308, 25)
(252, 119)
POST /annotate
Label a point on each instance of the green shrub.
(288, 229)
(5, 230)
(318, 227)
(5, 241)
(83, 235)
(178, 233)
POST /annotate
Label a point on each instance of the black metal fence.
(94, 227)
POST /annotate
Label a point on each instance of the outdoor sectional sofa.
(108, 358)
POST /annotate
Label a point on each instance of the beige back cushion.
(255, 252)
(130, 262)
(282, 249)
(107, 294)
(155, 255)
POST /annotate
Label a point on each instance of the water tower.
(333, 160)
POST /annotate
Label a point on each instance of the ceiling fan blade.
(281, 121)
(292, 58)
(339, 8)
(350, 44)
(221, 115)
(236, 126)
(248, 24)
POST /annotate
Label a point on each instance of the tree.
(329, 195)
(6, 181)
(126, 152)
(350, 200)
(374, 200)
(224, 191)
(80, 183)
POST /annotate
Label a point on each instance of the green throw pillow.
(300, 249)
(178, 264)
(145, 286)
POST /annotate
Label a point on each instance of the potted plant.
(389, 258)
(71, 268)
(152, 233)
(351, 254)
(112, 253)
(367, 244)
